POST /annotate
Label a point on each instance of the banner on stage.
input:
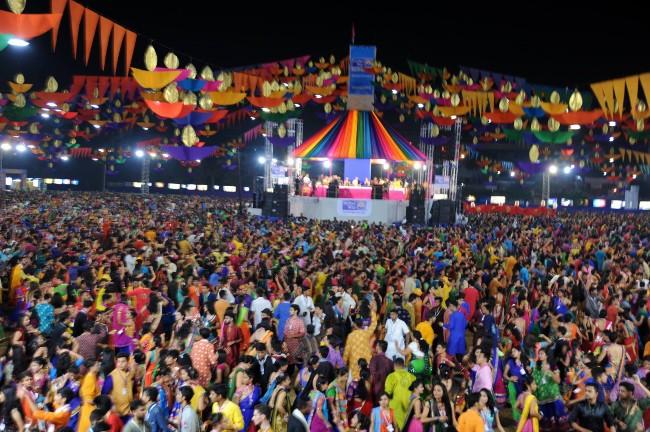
(361, 89)
(347, 207)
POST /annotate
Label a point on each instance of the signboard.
(278, 171)
(361, 89)
(359, 208)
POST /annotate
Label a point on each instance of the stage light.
(604, 173)
(165, 155)
(252, 118)
(318, 96)
(462, 155)
(420, 105)
(327, 163)
(95, 159)
(512, 173)
(145, 128)
(612, 123)
(152, 155)
(611, 139)
(21, 147)
(453, 117)
(198, 160)
(96, 126)
(611, 160)
(139, 153)
(395, 91)
(261, 160)
(574, 127)
(45, 115)
(31, 146)
(291, 161)
(552, 169)
(566, 170)
(64, 158)
(386, 165)
(94, 106)
(5, 146)
(417, 165)
(573, 166)
(265, 109)
(274, 161)
(51, 104)
(634, 176)
(101, 150)
(296, 105)
(17, 42)
(498, 172)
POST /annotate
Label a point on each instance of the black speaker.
(416, 197)
(275, 205)
(443, 212)
(415, 214)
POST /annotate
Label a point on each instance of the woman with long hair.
(247, 396)
(548, 394)
(418, 412)
(442, 413)
(489, 412)
(280, 403)
(11, 413)
(515, 374)
(319, 419)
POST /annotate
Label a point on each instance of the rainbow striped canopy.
(358, 135)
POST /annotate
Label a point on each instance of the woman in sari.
(382, 418)
(551, 403)
(418, 413)
(515, 374)
(280, 404)
(319, 419)
(236, 378)
(527, 402)
(247, 396)
(442, 413)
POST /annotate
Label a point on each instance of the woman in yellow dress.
(280, 404)
(87, 392)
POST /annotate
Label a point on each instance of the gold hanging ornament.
(328, 108)
(188, 136)
(518, 124)
(402, 118)
(640, 125)
(171, 61)
(555, 97)
(521, 97)
(553, 125)
(535, 126)
(170, 94)
(535, 102)
(205, 103)
(504, 104)
(189, 99)
(19, 79)
(455, 100)
(17, 6)
(485, 121)
(207, 74)
(117, 118)
(446, 94)
(575, 101)
(33, 128)
(605, 129)
(533, 153)
(20, 101)
(51, 85)
(150, 58)
(641, 106)
(192, 70)
(475, 140)
(436, 94)
(282, 130)
(435, 130)
(282, 108)
(290, 105)
(266, 89)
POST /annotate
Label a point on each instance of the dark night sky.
(548, 46)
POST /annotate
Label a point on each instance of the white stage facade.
(348, 209)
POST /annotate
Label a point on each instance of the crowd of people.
(171, 313)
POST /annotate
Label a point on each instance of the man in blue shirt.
(155, 415)
(282, 313)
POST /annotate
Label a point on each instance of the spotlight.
(386, 166)
(17, 42)
(574, 127)
(64, 158)
(296, 105)
(139, 153)
(566, 170)
(21, 147)
(94, 106)
(420, 105)
(96, 126)
(145, 128)
(453, 117)
(165, 155)
(612, 123)
(327, 163)
(51, 104)
(552, 169)
(320, 96)
(291, 161)
(152, 155)
(395, 91)
(634, 176)
(611, 160)
(261, 160)
(198, 160)
(45, 115)
(5, 146)
(265, 109)
(512, 173)
(417, 165)
(101, 150)
(611, 139)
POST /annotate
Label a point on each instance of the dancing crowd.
(177, 313)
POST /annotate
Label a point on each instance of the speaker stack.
(276, 203)
(443, 212)
(415, 209)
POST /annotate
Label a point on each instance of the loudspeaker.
(276, 205)
(443, 212)
(416, 197)
(415, 214)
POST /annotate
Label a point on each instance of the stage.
(377, 211)
(356, 192)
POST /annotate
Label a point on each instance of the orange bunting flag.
(118, 38)
(130, 46)
(90, 26)
(76, 13)
(105, 27)
(58, 6)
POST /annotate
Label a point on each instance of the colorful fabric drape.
(358, 135)
(28, 26)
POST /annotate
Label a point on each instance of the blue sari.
(247, 404)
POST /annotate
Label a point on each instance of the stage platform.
(377, 211)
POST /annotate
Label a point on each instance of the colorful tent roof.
(358, 135)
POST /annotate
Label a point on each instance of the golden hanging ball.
(504, 104)
(17, 6)
(455, 100)
(170, 93)
(632, 140)
(402, 118)
(205, 103)
(535, 126)
(575, 101)
(553, 125)
(20, 101)
(484, 120)
(207, 74)
(282, 130)
(192, 70)
(435, 130)
(555, 97)
(640, 125)
(535, 101)
(51, 85)
(189, 170)
(446, 94)
(521, 97)
(475, 140)
(605, 129)
(641, 106)
(533, 153)
(436, 94)
(171, 61)
(282, 108)
(19, 78)
(150, 58)
(518, 123)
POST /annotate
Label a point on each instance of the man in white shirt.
(305, 303)
(130, 261)
(258, 305)
(396, 331)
